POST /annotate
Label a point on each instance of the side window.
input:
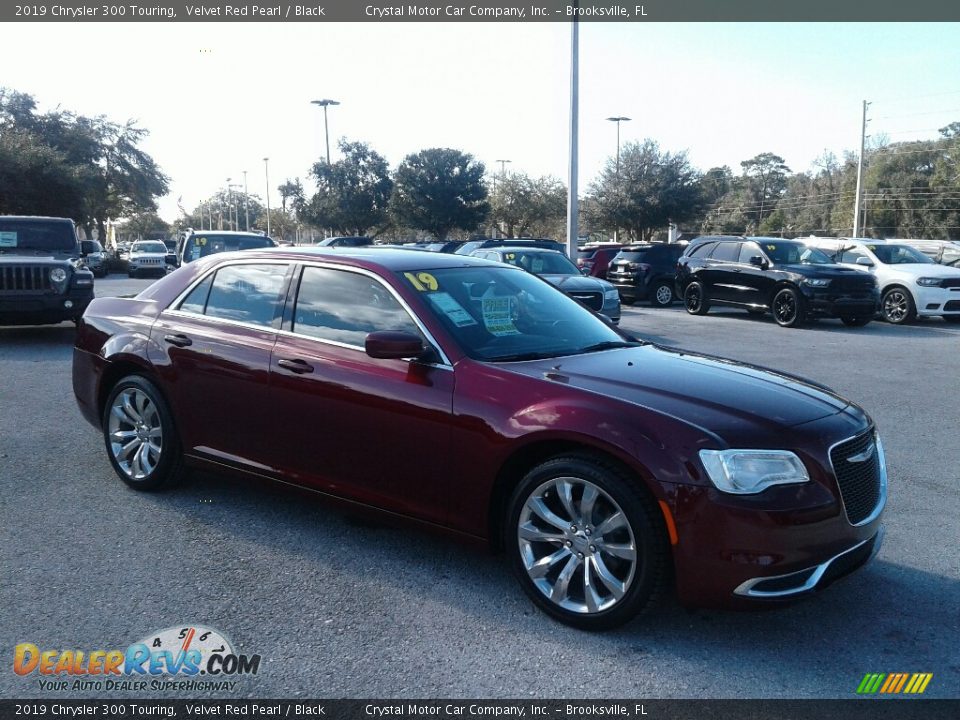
(749, 250)
(247, 293)
(344, 307)
(850, 255)
(950, 256)
(702, 250)
(726, 252)
(196, 301)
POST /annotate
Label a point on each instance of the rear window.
(202, 245)
(37, 235)
(638, 255)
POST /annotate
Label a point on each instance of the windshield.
(541, 263)
(199, 246)
(794, 253)
(899, 255)
(499, 314)
(54, 235)
(149, 247)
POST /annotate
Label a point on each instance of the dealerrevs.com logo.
(191, 658)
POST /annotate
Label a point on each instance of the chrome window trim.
(173, 307)
(881, 457)
(445, 361)
(746, 588)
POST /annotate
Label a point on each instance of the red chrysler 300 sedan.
(606, 467)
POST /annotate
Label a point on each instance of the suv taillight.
(642, 267)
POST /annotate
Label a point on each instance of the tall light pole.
(246, 204)
(229, 203)
(235, 206)
(618, 120)
(573, 230)
(503, 167)
(326, 131)
(266, 170)
(856, 201)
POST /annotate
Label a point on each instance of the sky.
(219, 97)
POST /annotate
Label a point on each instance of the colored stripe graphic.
(894, 683)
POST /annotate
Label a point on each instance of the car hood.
(915, 270)
(574, 283)
(722, 396)
(820, 271)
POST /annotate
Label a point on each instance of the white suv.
(910, 283)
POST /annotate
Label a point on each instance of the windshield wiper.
(523, 356)
(609, 345)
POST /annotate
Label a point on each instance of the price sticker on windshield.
(422, 281)
(771, 247)
(8, 239)
(201, 241)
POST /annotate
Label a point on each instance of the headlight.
(816, 282)
(611, 294)
(58, 275)
(745, 472)
(928, 282)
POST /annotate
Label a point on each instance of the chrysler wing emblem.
(864, 456)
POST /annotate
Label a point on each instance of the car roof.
(225, 232)
(520, 248)
(369, 257)
(35, 218)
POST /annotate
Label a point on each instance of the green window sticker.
(497, 316)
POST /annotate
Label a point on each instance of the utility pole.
(266, 171)
(573, 230)
(246, 204)
(856, 201)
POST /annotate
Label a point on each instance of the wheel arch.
(116, 371)
(525, 458)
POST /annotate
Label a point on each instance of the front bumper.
(46, 309)
(829, 303)
(936, 300)
(790, 540)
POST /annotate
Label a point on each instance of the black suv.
(42, 277)
(785, 277)
(646, 272)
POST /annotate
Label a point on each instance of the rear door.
(722, 273)
(216, 345)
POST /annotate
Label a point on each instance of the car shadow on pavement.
(405, 580)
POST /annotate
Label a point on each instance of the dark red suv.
(594, 259)
(477, 399)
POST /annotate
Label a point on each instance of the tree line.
(92, 170)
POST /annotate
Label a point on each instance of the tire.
(951, 318)
(662, 294)
(897, 306)
(554, 552)
(137, 411)
(859, 321)
(695, 299)
(787, 308)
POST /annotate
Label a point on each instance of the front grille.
(859, 482)
(853, 284)
(950, 282)
(952, 305)
(148, 261)
(592, 300)
(24, 278)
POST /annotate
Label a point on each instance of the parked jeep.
(42, 277)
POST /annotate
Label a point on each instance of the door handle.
(736, 269)
(178, 340)
(298, 366)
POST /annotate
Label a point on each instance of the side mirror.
(864, 261)
(393, 345)
(86, 247)
(758, 261)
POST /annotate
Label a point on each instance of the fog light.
(68, 304)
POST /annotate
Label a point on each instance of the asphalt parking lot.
(339, 608)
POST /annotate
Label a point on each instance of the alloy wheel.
(576, 545)
(785, 307)
(135, 433)
(896, 306)
(663, 295)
